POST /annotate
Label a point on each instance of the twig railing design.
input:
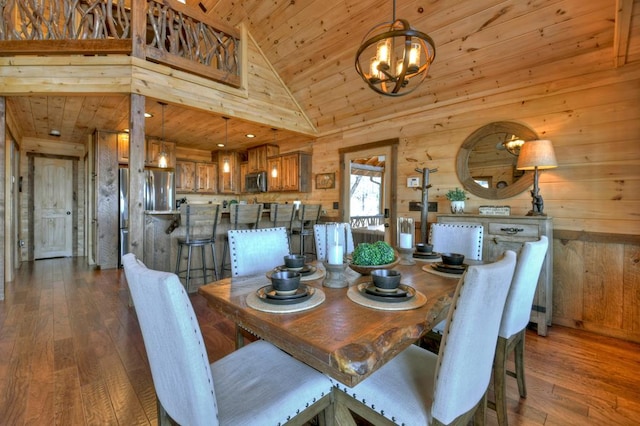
(174, 34)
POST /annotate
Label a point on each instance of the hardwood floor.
(71, 353)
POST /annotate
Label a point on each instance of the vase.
(457, 207)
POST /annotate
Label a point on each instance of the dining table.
(343, 334)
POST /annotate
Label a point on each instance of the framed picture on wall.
(325, 180)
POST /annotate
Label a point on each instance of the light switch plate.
(413, 182)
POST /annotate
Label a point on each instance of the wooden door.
(370, 162)
(53, 203)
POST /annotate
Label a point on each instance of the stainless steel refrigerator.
(159, 195)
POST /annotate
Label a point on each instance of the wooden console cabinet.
(509, 233)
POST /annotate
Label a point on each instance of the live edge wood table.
(343, 339)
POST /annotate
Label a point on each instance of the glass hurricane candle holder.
(334, 256)
(406, 232)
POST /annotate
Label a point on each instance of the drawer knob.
(512, 230)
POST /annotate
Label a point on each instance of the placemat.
(418, 300)
(256, 303)
(429, 269)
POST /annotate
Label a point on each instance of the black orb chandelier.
(394, 58)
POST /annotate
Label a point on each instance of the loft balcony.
(167, 32)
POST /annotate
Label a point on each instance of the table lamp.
(536, 155)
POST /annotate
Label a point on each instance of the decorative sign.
(325, 180)
(495, 210)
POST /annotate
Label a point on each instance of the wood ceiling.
(483, 47)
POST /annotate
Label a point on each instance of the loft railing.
(165, 32)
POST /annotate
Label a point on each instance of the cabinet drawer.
(524, 230)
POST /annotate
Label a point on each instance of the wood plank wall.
(594, 123)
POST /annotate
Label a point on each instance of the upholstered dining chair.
(255, 251)
(514, 323)
(241, 216)
(321, 239)
(258, 384)
(418, 387)
(463, 238)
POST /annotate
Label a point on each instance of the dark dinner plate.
(306, 269)
(269, 295)
(449, 269)
(403, 294)
(432, 255)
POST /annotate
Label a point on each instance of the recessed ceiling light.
(148, 115)
(55, 133)
(220, 145)
(250, 135)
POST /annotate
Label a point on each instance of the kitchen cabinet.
(155, 147)
(243, 173)
(207, 178)
(510, 233)
(185, 176)
(295, 172)
(257, 157)
(228, 172)
(196, 177)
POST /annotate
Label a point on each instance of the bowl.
(285, 282)
(367, 269)
(386, 280)
(424, 248)
(294, 261)
(452, 258)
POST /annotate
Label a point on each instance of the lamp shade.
(538, 153)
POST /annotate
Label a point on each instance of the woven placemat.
(428, 268)
(255, 302)
(415, 302)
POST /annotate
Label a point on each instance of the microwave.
(255, 182)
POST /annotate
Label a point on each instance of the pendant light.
(274, 169)
(398, 57)
(226, 167)
(162, 156)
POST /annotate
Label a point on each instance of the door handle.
(68, 213)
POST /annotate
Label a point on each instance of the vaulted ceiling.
(483, 47)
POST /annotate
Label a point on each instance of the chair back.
(201, 221)
(309, 214)
(172, 338)
(245, 215)
(282, 214)
(256, 251)
(517, 310)
(468, 346)
(320, 235)
(463, 238)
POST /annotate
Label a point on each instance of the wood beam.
(622, 31)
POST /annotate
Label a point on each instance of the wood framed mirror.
(486, 168)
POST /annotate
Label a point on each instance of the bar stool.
(242, 216)
(308, 216)
(201, 222)
(282, 215)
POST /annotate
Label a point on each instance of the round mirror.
(486, 163)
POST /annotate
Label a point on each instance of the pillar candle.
(334, 255)
(405, 241)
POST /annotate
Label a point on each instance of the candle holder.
(406, 232)
(334, 276)
(335, 252)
